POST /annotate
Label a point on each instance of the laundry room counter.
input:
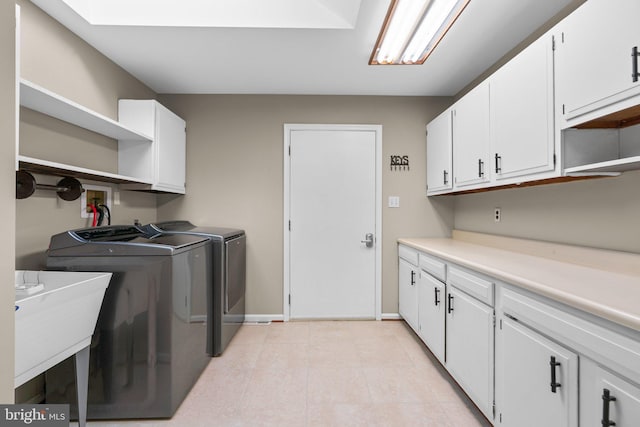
(600, 282)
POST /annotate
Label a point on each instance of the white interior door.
(332, 209)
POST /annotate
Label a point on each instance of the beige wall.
(235, 175)
(55, 58)
(7, 189)
(602, 213)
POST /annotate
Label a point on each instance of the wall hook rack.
(67, 188)
(399, 163)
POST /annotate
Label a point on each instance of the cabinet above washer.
(163, 162)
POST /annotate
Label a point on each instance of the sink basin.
(56, 313)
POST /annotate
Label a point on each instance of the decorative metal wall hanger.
(68, 188)
(399, 163)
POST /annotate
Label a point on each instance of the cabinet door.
(594, 67)
(439, 154)
(529, 365)
(522, 111)
(170, 150)
(469, 353)
(408, 293)
(431, 301)
(605, 397)
(471, 138)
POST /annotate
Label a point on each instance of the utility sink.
(56, 313)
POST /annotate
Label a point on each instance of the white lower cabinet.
(408, 290)
(431, 311)
(537, 379)
(607, 399)
(469, 347)
(542, 364)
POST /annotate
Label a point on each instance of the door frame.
(288, 128)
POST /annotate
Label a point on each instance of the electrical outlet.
(497, 214)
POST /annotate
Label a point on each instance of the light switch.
(394, 201)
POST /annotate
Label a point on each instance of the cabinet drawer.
(408, 254)
(433, 266)
(472, 283)
(612, 349)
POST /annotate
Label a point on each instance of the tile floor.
(322, 373)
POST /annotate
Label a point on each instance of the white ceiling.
(244, 57)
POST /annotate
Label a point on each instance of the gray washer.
(149, 346)
(227, 304)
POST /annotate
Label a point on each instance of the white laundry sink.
(56, 313)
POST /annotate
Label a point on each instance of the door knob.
(368, 240)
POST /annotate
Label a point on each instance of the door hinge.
(289, 299)
(562, 38)
(493, 409)
(554, 160)
(553, 42)
(500, 324)
(289, 150)
(289, 225)
(562, 108)
(501, 417)
(494, 320)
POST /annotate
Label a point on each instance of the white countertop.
(612, 295)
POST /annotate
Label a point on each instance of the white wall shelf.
(618, 165)
(44, 101)
(53, 168)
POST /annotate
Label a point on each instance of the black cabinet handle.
(413, 277)
(606, 399)
(480, 168)
(554, 384)
(498, 163)
(446, 177)
(634, 64)
(436, 299)
(450, 299)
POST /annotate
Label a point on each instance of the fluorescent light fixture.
(413, 28)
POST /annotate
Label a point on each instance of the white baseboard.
(266, 318)
(263, 318)
(391, 316)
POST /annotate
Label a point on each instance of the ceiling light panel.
(413, 28)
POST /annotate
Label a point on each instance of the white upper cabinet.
(439, 155)
(595, 66)
(163, 162)
(504, 129)
(472, 138)
(522, 112)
